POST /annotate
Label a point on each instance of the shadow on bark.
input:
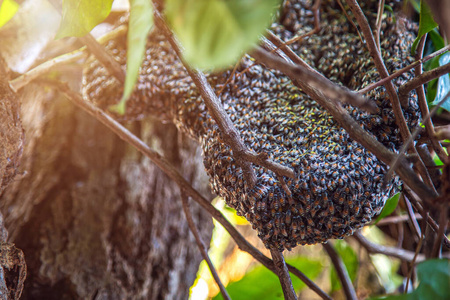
(94, 218)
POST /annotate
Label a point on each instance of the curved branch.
(202, 247)
(230, 134)
(170, 171)
(283, 274)
(342, 116)
(389, 251)
(341, 271)
(403, 70)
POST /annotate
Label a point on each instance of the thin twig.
(350, 20)
(428, 160)
(283, 274)
(443, 213)
(397, 219)
(393, 96)
(378, 23)
(21, 81)
(341, 271)
(416, 203)
(243, 156)
(389, 251)
(412, 216)
(308, 77)
(315, 8)
(112, 66)
(379, 64)
(355, 131)
(403, 70)
(395, 163)
(202, 247)
(442, 133)
(422, 79)
(170, 171)
(415, 258)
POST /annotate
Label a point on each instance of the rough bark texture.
(11, 133)
(94, 217)
(12, 263)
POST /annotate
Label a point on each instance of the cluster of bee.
(338, 184)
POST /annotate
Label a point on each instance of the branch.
(378, 23)
(396, 162)
(201, 246)
(416, 202)
(283, 274)
(389, 251)
(170, 171)
(403, 70)
(423, 105)
(341, 271)
(315, 8)
(443, 221)
(412, 216)
(19, 82)
(397, 219)
(379, 64)
(422, 79)
(308, 78)
(230, 134)
(112, 66)
(355, 131)
(395, 101)
(416, 254)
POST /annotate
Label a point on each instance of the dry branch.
(202, 247)
(162, 163)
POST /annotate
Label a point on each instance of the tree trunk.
(94, 218)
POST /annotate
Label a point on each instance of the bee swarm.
(338, 184)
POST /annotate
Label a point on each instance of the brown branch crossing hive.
(338, 187)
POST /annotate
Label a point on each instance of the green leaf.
(215, 33)
(350, 259)
(389, 207)
(434, 277)
(79, 17)
(261, 283)
(415, 4)
(141, 21)
(426, 24)
(436, 38)
(7, 11)
(443, 84)
(432, 85)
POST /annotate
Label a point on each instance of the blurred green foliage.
(139, 25)
(79, 17)
(261, 283)
(434, 278)
(215, 33)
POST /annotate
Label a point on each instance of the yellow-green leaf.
(7, 11)
(79, 17)
(141, 21)
(215, 33)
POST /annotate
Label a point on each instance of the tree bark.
(94, 218)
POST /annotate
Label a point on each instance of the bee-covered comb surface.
(338, 184)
